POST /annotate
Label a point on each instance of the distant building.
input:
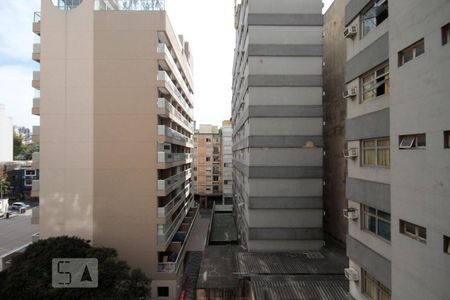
(227, 161)
(25, 133)
(207, 163)
(22, 178)
(6, 136)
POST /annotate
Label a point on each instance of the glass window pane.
(372, 224)
(384, 229)
(369, 143)
(410, 228)
(384, 215)
(407, 141)
(369, 157)
(383, 142)
(407, 55)
(420, 48)
(421, 140)
(383, 157)
(422, 232)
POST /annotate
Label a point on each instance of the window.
(375, 83)
(412, 141)
(225, 182)
(376, 152)
(373, 288)
(215, 178)
(447, 139)
(447, 244)
(377, 221)
(208, 159)
(208, 140)
(413, 51)
(28, 182)
(446, 34)
(163, 291)
(414, 231)
(374, 15)
(195, 178)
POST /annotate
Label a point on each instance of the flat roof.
(223, 228)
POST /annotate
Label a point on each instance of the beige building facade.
(116, 111)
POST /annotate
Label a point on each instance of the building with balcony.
(208, 163)
(277, 124)
(397, 132)
(6, 136)
(116, 133)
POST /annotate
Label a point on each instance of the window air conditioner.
(351, 274)
(351, 153)
(350, 93)
(350, 32)
(351, 213)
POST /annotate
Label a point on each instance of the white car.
(18, 206)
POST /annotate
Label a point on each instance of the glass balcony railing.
(168, 183)
(37, 17)
(138, 5)
(164, 157)
(166, 209)
(164, 104)
(169, 132)
(162, 48)
(162, 76)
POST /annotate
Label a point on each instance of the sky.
(208, 25)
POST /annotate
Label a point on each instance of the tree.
(23, 151)
(4, 187)
(18, 144)
(30, 273)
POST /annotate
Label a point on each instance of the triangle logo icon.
(86, 275)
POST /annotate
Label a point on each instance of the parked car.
(18, 206)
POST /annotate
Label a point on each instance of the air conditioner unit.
(350, 32)
(351, 153)
(350, 93)
(351, 274)
(351, 213)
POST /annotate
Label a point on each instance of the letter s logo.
(66, 273)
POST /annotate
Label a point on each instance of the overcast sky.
(206, 24)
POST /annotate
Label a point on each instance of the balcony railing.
(167, 131)
(164, 157)
(172, 267)
(164, 104)
(67, 4)
(162, 48)
(139, 5)
(36, 109)
(163, 76)
(36, 83)
(165, 210)
(37, 17)
(36, 134)
(171, 181)
(37, 23)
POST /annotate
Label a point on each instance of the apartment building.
(277, 124)
(6, 136)
(397, 129)
(227, 161)
(116, 133)
(207, 163)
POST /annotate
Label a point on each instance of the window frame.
(411, 49)
(413, 144)
(379, 287)
(366, 214)
(376, 148)
(446, 244)
(372, 6)
(416, 235)
(374, 82)
(445, 34)
(447, 139)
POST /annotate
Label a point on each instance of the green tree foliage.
(30, 274)
(4, 187)
(22, 151)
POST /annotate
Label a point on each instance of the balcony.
(165, 158)
(35, 136)
(163, 49)
(35, 188)
(35, 216)
(166, 185)
(36, 56)
(135, 5)
(36, 157)
(175, 135)
(172, 205)
(170, 260)
(173, 90)
(37, 23)
(168, 110)
(36, 83)
(36, 109)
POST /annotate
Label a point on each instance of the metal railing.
(164, 157)
(166, 209)
(163, 103)
(67, 4)
(137, 5)
(167, 131)
(171, 181)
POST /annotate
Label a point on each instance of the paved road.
(16, 232)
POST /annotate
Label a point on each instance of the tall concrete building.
(227, 161)
(397, 128)
(277, 124)
(6, 136)
(116, 101)
(207, 163)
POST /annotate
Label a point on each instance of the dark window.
(163, 291)
(446, 34)
(447, 139)
(377, 221)
(414, 231)
(446, 244)
(411, 52)
(412, 141)
(374, 15)
(215, 178)
(208, 159)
